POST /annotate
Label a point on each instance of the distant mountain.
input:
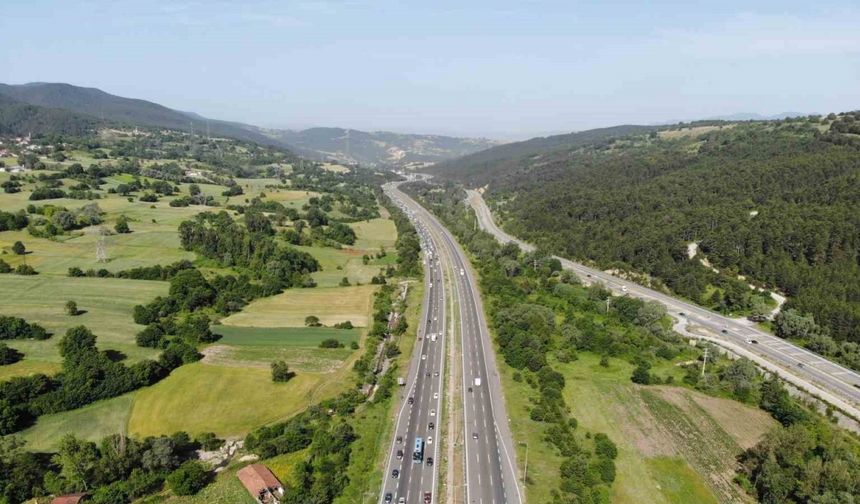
(378, 148)
(748, 116)
(18, 118)
(96, 103)
(479, 168)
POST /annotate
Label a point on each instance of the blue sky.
(493, 68)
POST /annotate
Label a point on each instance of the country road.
(490, 460)
(833, 383)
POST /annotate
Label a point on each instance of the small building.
(74, 498)
(261, 483)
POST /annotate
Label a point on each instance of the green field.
(339, 263)
(227, 400)
(108, 304)
(91, 422)
(283, 336)
(289, 309)
(375, 233)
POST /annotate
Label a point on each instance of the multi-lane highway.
(489, 459)
(830, 381)
(411, 472)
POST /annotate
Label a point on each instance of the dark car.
(410, 400)
(399, 454)
(388, 497)
(724, 331)
(429, 461)
(399, 439)
(431, 426)
(428, 497)
(395, 473)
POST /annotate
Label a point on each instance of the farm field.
(289, 309)
(375, 233)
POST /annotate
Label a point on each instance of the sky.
(498, 69)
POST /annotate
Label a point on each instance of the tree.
(77, 342)
(18, 248)
(122, 225)
(344, 282)
(78, 461)
(281, 372)
(741, 375)
(72, 308)
(312, 321)
(189, 478)
(791, 324)
(194, 189)
(641, 374)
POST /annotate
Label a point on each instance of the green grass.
(339, 263)
(227, 400)
(283, 336)
(289, 309)
(375, 233)
(678, 482)
(92, 422)
(108, 304)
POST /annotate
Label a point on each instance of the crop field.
(289, 309)
(227, 400)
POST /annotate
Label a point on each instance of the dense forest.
(776, 202)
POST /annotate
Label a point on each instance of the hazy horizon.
(492, 69)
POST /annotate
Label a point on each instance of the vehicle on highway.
(477, 382)
(388, 497)
(418, 451)
(428, 497)
(401, 500)
(682, 314)
(436, 373)
(470, 389)
(800, 364)
(399, 439)
(462, 272)
(429, 461)
(754, 341)
(435, 395)
(432, 412)
(474, 435)
(431, 426)
(623, 288)
(395, 473)
(399, 454)
(429, 439)
(724, 331)
(424, 356)
(410, 400)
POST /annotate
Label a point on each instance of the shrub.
(189, 479)
(19, 248)
(331, 343)
(122, 225)
(281, 372)
(25, 269)
(72, 308)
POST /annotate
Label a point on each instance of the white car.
(432, 412)
(435, 395)
(423, 356)
(430, 440)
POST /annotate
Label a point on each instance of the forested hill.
(778, 202)
(17, 118)
(507, 159)
(127, 111)
(378, 148)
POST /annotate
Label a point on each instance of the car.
(800, 364)
(431, 426)
(682, 314)
(428, 497)
(388, 497)
(432, 412)
(429, 461)
(424, 356)
(435, 395)
(724, 331)
(401, 500)
(429, 439)
(428, 373)
(399, 454)
(474, 435)
(470, 389)
(399, 439)
(395, 473)
(410, 400)
(623, 288)
(436, 373)
(754, 341)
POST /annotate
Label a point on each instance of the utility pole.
(526, 470)
(704, 361)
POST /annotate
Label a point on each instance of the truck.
(433, 337)
(401, 381)
(477, 382)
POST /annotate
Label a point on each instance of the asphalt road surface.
(835, 384)
(490, 460)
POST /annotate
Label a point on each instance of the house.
(74, 498)
(261, 483)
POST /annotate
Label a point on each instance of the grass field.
(108, 304)
(226, 400)
(346, 262)
(289, 309)
(92, 422)
(675, 445)
(374, 234)
(283, 336)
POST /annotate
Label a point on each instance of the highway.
(831, 382)
(422, 398)
(490, 461)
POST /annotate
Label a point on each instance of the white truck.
(477, 382)
(433, 337)
(401, 381)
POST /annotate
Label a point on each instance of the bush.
(25, 269)
(641, 375)
(4, 267)
(208, 441)
(281, 372)
(189, 479)
(122, 225)
(19, 248)
(72, 308)
(75, 272)
(331, 343)
(344, 325)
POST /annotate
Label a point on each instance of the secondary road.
(409, 476)
(835, 384)
(490, 460)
